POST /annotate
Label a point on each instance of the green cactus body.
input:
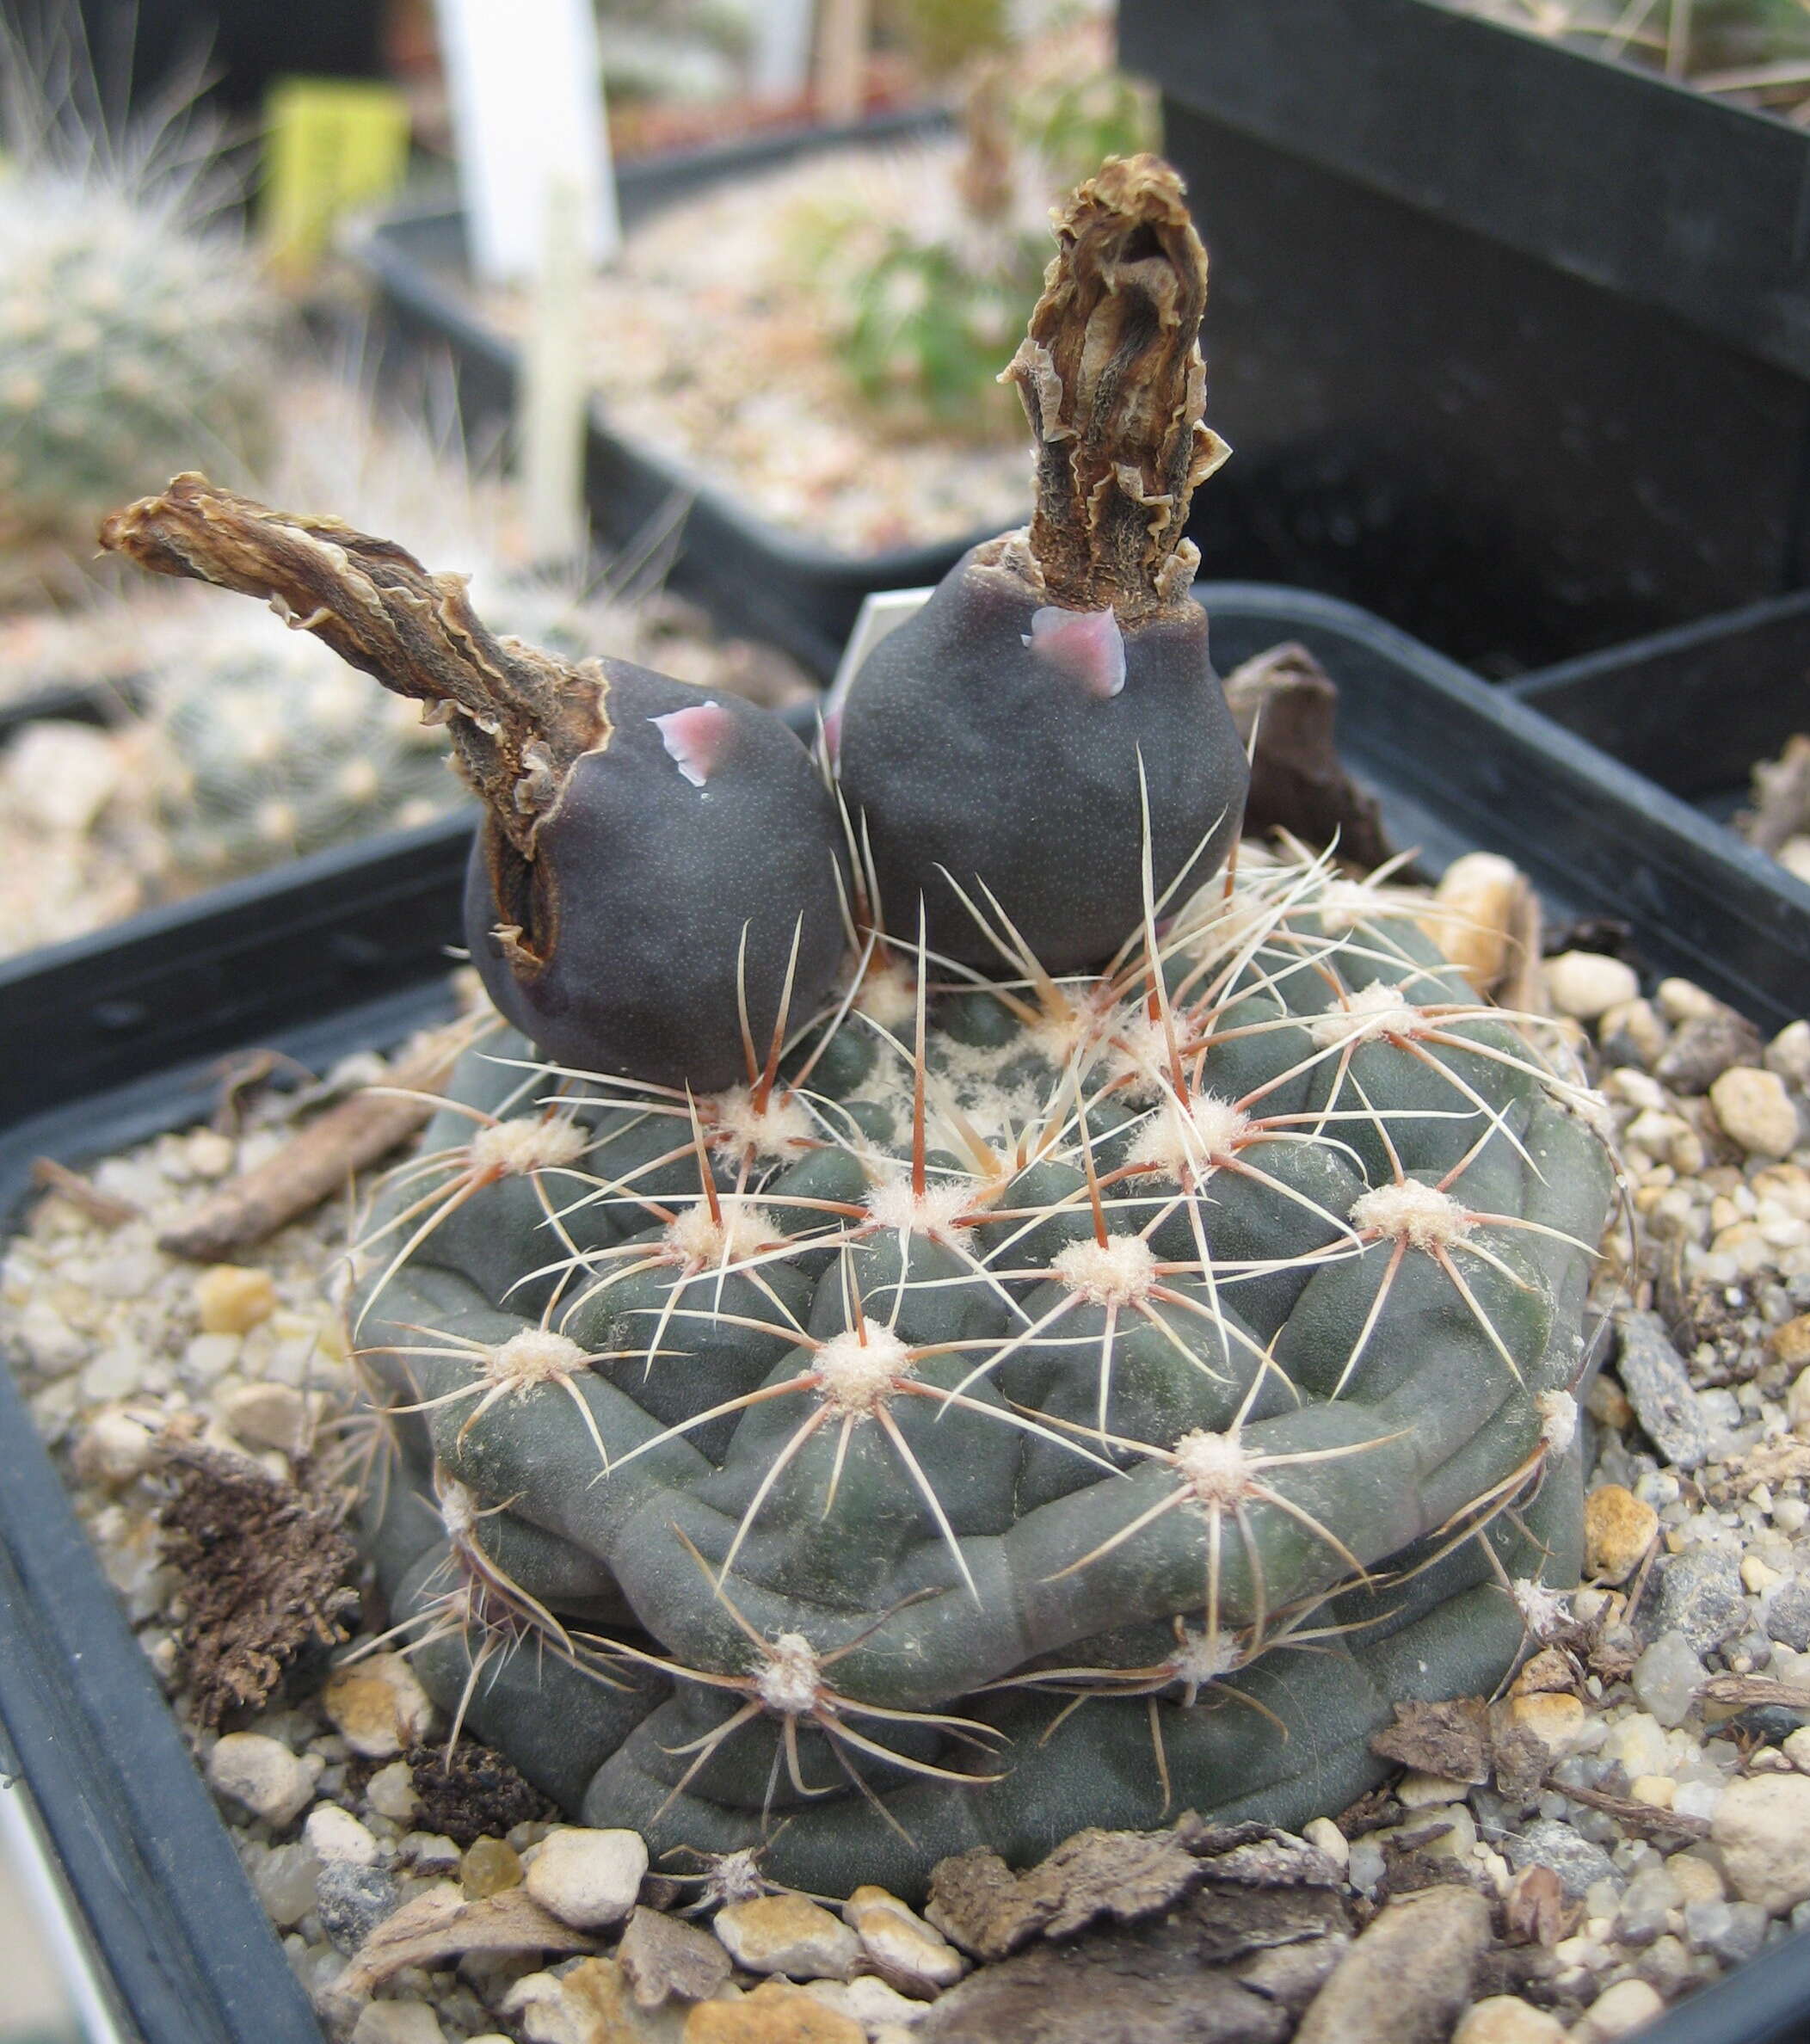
(1096, 1412)
(129, 343)
(265, 747)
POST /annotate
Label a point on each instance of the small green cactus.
(134, 327)
(921, 310)
(847, 1398)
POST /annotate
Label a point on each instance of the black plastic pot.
(1692, 710)
(348, 950)
(752, 576)
(1512, 342)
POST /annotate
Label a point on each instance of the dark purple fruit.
(996, 739)
(616, 948)
(1052, 704)
(653, 863)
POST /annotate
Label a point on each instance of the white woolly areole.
(1558, 1413)
(1373, 1010)
(1543, 1611)
(529, 1142)
(458, 1510)
(859, 1371)
(1140, 1054)
(888, 994)
(940, 1209)
(1344, 904)
(1216, 1467)
(536, 1355)
(699, 1238)
(1110, 1273)
(1203, 1657)
(792, 1676)
(736, 1876)
(1411, 1212)
(778, 1130)
(1186, 1136)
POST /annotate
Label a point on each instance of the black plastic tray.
(1512, 342)
(350, 950)
(1692, 710)
(752, 576)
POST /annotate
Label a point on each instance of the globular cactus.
(134, 327)
(1008, 1400)
(261, 746)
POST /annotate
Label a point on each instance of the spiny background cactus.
(134, 327)
(1006, 1400)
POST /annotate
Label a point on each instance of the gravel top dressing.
(1630, 1821)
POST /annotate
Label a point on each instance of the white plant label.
(525, 83)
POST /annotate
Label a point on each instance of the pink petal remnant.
(1087, 644)
(696, 738)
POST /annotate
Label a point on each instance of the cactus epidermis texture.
(1023, 1405)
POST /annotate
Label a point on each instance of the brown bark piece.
(1452, 1740)
(1297, 783)
(82, 1193)
(266, 1571)
(1781, 799)
(518, 717)
(1115, 389)
(441, 1926)
(323, 1159)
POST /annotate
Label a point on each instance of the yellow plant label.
(330, 144)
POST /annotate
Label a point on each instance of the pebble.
(1617, 2011)
(398, 2022)
(268, 1416)
(351, 1900)
(390, 1792)
(1795, 1746)
(113, 1448)
(1789, 1053)
(787, 1934)
(1733, 1931)
(882, 2011)
(1618, 1527)
(588, 2003)
(1703, 1048)
(1756, 1111)
(1681, 1000)
(1762, 1826)
(1797, 1404)
(1667, 1679)
(1696, 1879)
(233, 1298)
(1548, 1843)
(337, 1834)
(773, 2014)
(430, 1853)
(1326, 1836)
(1506, 2019)
(52, 1347)
(664, 1958)
(1658, 1387)
(1585, 985)
(260, 1774)
(284, 1880)
(490, 1867)
(1557, 1720)
(378, 1706)
(903, 1949)
(1407, 1976)
(587, 1878)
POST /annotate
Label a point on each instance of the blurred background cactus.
(1756, 50)
(924, 299)
(136, 334)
